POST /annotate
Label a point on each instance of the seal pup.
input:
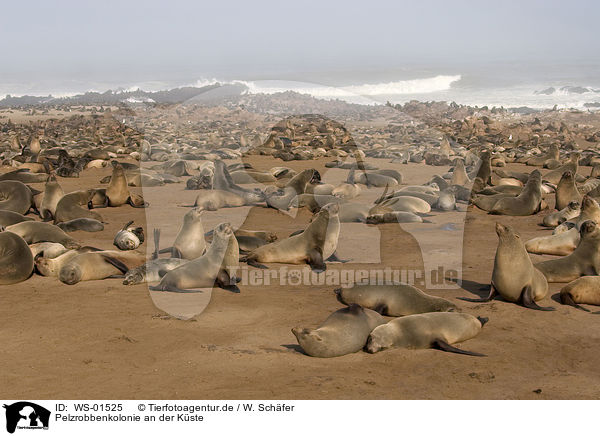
(585, 290)
(16, 260)
(393, 217)
(83, 224)
(35, 231)
(427, 330)
(515, 277)
(345, 331)
(527, 202)
(567, 213)
(129, 237)
(583, 261)
(393, 300)
(53, 192)
(206, 271)
(307, 246)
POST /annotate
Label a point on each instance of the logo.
(26, 415)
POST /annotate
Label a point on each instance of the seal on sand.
(189, 242)
(514, 276)
(584, 290)
(345, 331)
(99, 265)
(307, 246)
(426, 330)
(16, 260)
(526, 203)
(583, 261)
(393, 300)
(35, 231)
(15, 196)
(206, 271)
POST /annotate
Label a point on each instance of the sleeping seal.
(426, 330)
(393, 300)
(345, 331)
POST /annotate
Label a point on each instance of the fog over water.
(501, 53)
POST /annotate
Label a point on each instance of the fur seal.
(526, 203)
(207, 270)
(151, 271)
(514, 277)
(99, 265)
(393, 300)
(8, 218)
(83, 224)
(426, 330)
(345, 331)
(567, 213)
(584, 260)
(393, 217)
(129, 237)
(15, 196)
(35, 231)
(50, 266)
(117, 192)
(349, 189)
(71, 206)
(53, 192)
(566, 191)
(585, 290)
(189, 242)
(16, 260)
(307, 246)
(47, 249)
(560, 244)
(216, 199)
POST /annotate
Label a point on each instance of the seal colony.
(518, 169)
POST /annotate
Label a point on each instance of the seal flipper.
(225, 281)
(176, 253)
(315, 261)
(490, 297)
(174, 289)
(528, 302)
(255, 264)
(297, 232)
(334, 258)
(156, 244)
(568, 300)
(440, 344)
(116, 263)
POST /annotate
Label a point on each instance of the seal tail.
(445, 346)
(568, 300)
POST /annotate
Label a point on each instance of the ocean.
(500, 84)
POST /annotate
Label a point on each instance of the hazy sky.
(154, 39)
